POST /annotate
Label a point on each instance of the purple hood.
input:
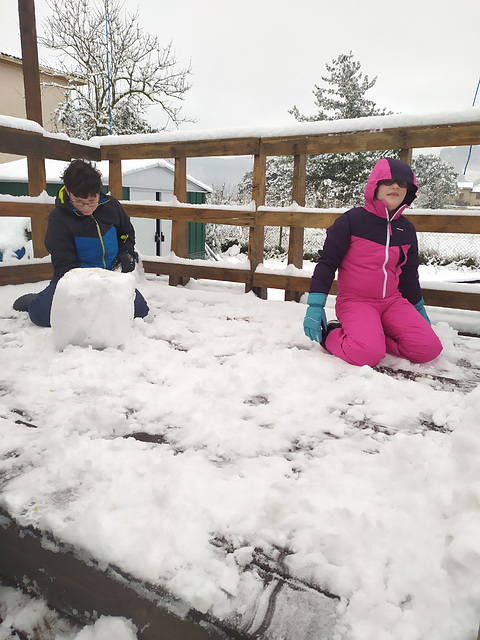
(389, 169)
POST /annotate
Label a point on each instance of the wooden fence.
(379, 133)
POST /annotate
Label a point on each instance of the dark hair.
(82, 179)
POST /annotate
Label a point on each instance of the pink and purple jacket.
(375, 253)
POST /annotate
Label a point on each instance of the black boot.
(333, 324)
(22, 303)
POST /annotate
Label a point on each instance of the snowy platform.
(247, 477)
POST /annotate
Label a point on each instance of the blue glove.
(420, 307)
(315, 322)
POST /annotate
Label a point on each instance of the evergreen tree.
(141, 72)
(339, 179)
(343, 97)
(333, 180)
(279, 178)
(437, 181)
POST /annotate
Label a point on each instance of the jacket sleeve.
(334, 249)
(60, 244)
(125, 232)
(408, 283)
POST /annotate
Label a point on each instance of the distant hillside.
(229, 171)
(217, 172)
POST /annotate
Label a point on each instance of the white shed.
(153, 180)
(142, 180)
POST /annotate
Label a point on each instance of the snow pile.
(218, 432)
(30, 616)
(107, 627)
(34, 619)
(93, 307)
(462, 553)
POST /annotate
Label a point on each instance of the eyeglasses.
(388, 183)
(84, 203)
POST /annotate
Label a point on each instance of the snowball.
(107, 627)
(234, 250)
(244, 555)
(93, 307)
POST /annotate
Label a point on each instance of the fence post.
(179, 243)
(256, 242)
(295, 243)
(406, 156)
(115, 178)
(37, 181)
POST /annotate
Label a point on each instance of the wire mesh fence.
(434, 248)
(447, 248)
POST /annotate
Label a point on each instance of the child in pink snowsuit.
(379, 303)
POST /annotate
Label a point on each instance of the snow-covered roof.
(15, 59)
(134, 166)
(10, 54)
(16, 171)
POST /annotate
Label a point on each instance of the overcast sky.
(252, 60)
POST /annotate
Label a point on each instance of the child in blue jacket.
(86, 229)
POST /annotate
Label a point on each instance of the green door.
(196, 230)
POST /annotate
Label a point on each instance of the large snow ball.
(93, 307)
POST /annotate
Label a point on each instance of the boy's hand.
(125, 260)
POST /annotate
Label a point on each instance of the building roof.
(17, 171)
(134, 166)
(16, 60)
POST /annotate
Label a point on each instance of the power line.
(470, 150)
(108, 69)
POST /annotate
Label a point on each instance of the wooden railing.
(379, 133)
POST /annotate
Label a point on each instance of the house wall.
(12, 96)
(467, 197)
(154, 237)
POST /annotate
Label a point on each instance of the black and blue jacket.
(76, 240)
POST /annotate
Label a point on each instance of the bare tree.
(123, 80)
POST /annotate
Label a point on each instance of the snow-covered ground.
(367, 480)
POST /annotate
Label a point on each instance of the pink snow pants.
(372, 328)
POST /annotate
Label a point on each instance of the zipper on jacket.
(101, 241)
(387, 251)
